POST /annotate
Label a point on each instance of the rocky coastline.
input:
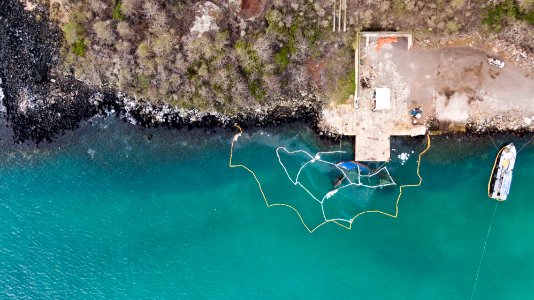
(40, 104)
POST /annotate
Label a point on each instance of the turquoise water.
(108, 212)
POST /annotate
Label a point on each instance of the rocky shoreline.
(40, 104)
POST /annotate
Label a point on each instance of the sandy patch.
(454, 108)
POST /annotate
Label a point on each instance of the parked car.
(496, 63)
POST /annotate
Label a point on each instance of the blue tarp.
(352, 165)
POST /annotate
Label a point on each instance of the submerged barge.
(501, 175)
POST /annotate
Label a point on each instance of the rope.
(530, 140)
(483, 251)
(492, 141)
(312, 229)
(317, 158)
(340, 140)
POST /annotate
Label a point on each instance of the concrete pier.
(380, 108)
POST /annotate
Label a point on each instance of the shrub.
(142, 81)
(281, 59)
(79, 47)
(72, 32)
(124, 30)
(256, 89)
(116, 14)
(130, 7)
(498, 15)
(104, 32)
(248, 57)
(143, 50)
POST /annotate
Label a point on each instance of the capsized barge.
(501, 175)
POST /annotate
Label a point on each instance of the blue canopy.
(353, 165)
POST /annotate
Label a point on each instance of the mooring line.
(492, 141)
(484, 250)
(530, 140)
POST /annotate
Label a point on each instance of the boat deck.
(501, 179)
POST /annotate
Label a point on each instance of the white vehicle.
(496, 62)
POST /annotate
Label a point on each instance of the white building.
(382, 98)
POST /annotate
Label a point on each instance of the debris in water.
(403, 157)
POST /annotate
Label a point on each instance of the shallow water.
(114, 211)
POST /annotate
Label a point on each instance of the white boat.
(501, 175)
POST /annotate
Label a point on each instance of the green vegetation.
(145, 48)
(281, 58)
(257, 90)
(347, 86)
(79, 47)
(498, 15)
(73, 33)
(248, 57)
(117, 13)
(142, 81)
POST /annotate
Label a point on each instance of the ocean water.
(112, 211)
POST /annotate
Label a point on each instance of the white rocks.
(27, 100)
(205, 19)
(527, 121)
(2, 107)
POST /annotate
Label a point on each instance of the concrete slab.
(373, 128)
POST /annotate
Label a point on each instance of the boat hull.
(501, 175)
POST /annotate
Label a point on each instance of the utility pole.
(339, 16)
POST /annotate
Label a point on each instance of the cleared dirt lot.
(455, 83)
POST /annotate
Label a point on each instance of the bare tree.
(131, 8)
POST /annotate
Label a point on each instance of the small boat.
(501, 175)
(338, 181)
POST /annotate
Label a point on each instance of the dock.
(380, 103)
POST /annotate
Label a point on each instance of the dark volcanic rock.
(37, 105)
(41, 104)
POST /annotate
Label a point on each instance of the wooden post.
(334, 18)
(345, 16)
(339, 16)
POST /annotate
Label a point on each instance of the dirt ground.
(456, 83)
(251, 8)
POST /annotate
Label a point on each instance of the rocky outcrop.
(501, 124)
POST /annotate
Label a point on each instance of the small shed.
(382, 98)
